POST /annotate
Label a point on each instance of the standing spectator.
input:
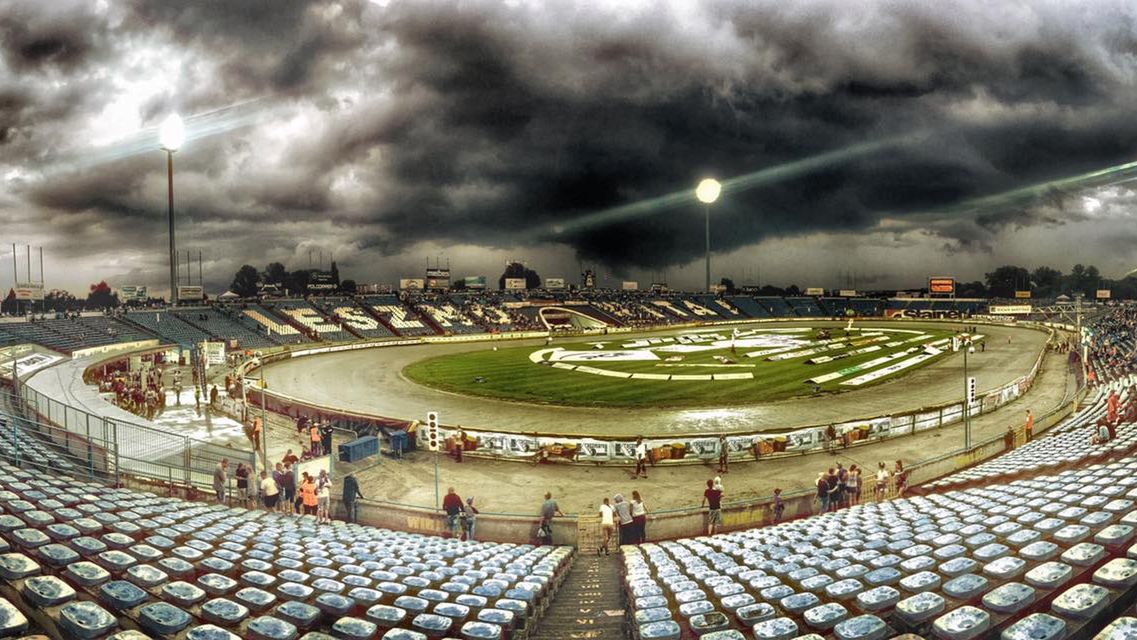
(712, 500)
(779, 505)
(314, 439)
(258, 428)
(269, 491)
(350, 493)
(624, 517)
(549, 509)
(242, 475)
(724, 454)
(452, 505)
(607, 524)
(278, 480)
(842, 478)
(1028, 429)
(459, 444)
(1009, 438)
(901, 477)
(326, 438)
(288, 488)
(853, 485)
(822, 492)
(639, 518)
(834, 489)
(641, 458)
(289, 458)
(881, 488)
(323, 498)
(470, 521)
(213, 396)
(308, 495)
(830, 436)
(220, 478)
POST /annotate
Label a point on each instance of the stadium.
(929, 441)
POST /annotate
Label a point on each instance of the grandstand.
(355, 319)
(221, 324)
(312, 320)
(400, 319)
(71, 334)
(169, 327)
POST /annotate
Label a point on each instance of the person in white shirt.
(323, 498)
(607, 526)
(269, 490)
(641, 458)
(881, 481)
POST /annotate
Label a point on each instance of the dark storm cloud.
(495, 124)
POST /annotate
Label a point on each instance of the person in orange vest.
(1029, 428)
(314, 436)
(257, 428)
(308, 495)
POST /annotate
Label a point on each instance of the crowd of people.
(283, 491)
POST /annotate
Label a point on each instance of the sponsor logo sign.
(554, 283)
(847, 293)
(132, 292)
(814, 291)
(29, 291)
(1103, 294)
(475, 282)
(630, 355)
(411, 284)
(1009, 309)
(190, 292)
(1022, 295)
(515, 284)
(630, 285)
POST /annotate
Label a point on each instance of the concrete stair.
(589, 604)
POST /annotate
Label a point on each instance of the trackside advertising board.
(1104, 294)
(515, 284)
(1022, 295)
(475, 282)
(411, 284)
(1009, 309)
(814, 291)
(554, 283)
(630, 285)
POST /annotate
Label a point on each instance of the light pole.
(171, 136)
(707, 192)
(965, 343)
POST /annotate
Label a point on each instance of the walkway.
(589, 604)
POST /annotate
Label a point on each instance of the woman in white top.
(607, 526)
(323, 498)
(639, 519)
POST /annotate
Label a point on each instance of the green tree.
(101, 296)
(974, 289)
(275, 273)
(728, 286)
(245, 281)
(296, 282)
(348, 286)
(1004, 281)
(1046, 282)
(518, 270)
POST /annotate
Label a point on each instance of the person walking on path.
(1028, 429)
(326, 438)
(452, 505)
(607, 524)
(350, 493)
(220, 479)
(641, 458)
(779, 505)
(639, 518)
(549, 510)
(712, 500)
(624, 518)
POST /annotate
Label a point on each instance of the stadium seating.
(806, 307)
(354, 318)
(391, 311)
(169, 326)
(71, 334)
(777, 307)
(749, 306)
(221, 323)
(302, 313)
(83, 560)
(448, 317)
(278, 328)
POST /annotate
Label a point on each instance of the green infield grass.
(652, 369)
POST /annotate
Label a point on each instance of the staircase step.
(589, 604)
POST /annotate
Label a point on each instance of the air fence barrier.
(692, 448)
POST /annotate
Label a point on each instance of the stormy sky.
(885, 141)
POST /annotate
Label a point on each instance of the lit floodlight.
(708, 191)
(172, 133)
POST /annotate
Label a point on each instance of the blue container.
(359, 449)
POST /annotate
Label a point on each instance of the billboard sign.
(588, 279)
(132, 292)
(847, 293)
(321, 281)
(1022, 295)
(438, 279)
(29, 291)
(515, 284)
(941, 285)
(475, 282)
(212, 352)
(814, 291)
(630, 285)
(411, 284)
(554, 283)
(190, 292)
(1103, 294)
(1009, 309)
(659, 287)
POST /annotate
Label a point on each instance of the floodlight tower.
(171, 136)
(707, 192)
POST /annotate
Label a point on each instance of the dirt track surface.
(514, 487)
(371, 381)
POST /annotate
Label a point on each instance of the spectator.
(471, 520)
(452, 505)
(724, 454)
(607, 525)
(881, 488)
(459, 444)
(712, 500)
(289, 458)
(833, 485)
(853, 486)
(242, 475)
(288, 488)
(220, 478)
(549, 509)
(624, 516)
(314, 439)
(639, 518)
(326, 438)
(1028, 430)
(901, 477)
(269, 491)
(258, 428)
(779, 505)
(323, 498)
(822, 492)
(641, 458)
(350, 493)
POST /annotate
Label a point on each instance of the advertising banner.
(1022, 295)
(659, 287)
(132, 292)
(1103, 294)
(1009, 309)
(438, 279)
(411, 284)
(213, 352)
(941, 285)
(475, 282)
(847, 293)
(814, 291)
(190, 292)
(515, 284)
(630, 285)
(321, 281)
(554, 283)
(29, 291)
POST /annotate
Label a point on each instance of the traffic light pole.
(437, 501)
